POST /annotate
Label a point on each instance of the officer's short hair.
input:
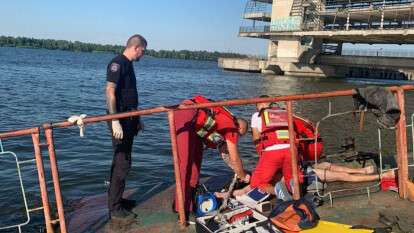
(136, 40)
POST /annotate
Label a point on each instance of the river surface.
(38, 86)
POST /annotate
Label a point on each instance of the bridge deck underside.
(374, 36)
(367, 36)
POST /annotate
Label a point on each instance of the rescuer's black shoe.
(122, 214)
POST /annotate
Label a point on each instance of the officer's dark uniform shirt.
(121, 72)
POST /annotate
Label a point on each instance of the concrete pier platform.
(279, 68)
(390, 68)
(242, 64)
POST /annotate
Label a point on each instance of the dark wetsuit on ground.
(121, 72)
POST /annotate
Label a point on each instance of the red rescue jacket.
(307, 148)
(275, 131)
(206, 122)
(274, 128)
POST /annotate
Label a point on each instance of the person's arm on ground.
(236, 193)
(111, 106)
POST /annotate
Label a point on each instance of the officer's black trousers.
(121, 164)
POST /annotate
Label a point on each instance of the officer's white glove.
(117, 130)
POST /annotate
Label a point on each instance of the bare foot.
(369, 170)
(388, 174)
(222, 195)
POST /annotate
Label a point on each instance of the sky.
(210, 25)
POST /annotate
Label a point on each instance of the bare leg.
(329, 176)
(338, 168)
(240, 192)
(237, 192)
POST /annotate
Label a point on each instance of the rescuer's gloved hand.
(117, 130)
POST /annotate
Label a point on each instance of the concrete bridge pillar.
(289, 50)
(292, 54)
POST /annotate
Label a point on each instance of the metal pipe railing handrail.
(48, 127)
(161, 109)
(19, 132)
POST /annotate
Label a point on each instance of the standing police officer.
(122, 96)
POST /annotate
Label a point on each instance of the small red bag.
(389, 184)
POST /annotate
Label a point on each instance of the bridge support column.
(289, 49)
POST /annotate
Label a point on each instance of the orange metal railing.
(401, 141)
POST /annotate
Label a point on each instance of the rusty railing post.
(55, 176)
(401, 138)
(293, 153)
(42, 182)
(178, 188)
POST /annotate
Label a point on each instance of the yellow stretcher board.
(324, 227)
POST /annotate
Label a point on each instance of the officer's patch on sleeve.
(114, 67)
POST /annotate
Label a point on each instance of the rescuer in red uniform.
(271, 136)
(212, 127)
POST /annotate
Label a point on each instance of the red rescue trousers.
(269, 164)
(190, 153)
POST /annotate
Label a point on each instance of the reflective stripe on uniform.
(266, 118)
(282, 134)
(202, 132)
(208, 125)
(210, 122)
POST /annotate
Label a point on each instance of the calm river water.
(38, 86)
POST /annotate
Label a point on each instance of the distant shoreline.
(77, 46)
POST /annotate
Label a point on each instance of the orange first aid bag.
(294, 216)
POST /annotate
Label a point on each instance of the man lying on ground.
(328, 172)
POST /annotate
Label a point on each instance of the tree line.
(25, 42)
